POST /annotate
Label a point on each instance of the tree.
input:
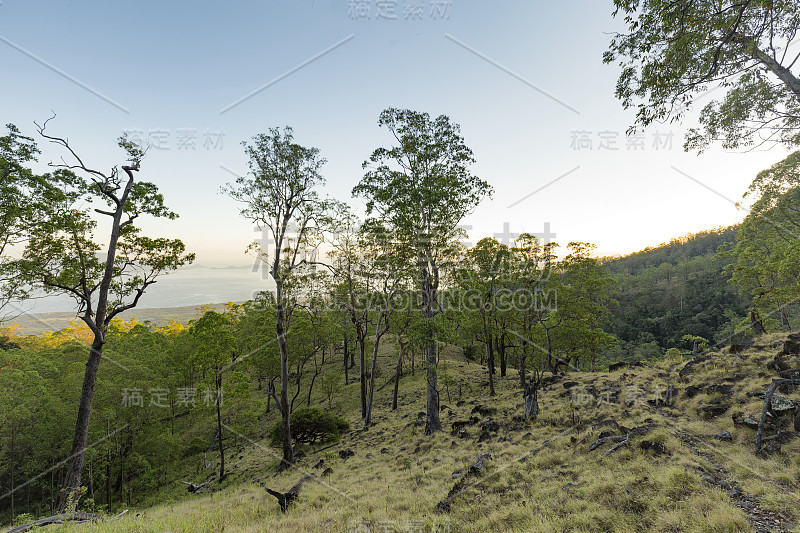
(279, 196)
(24, 199)
(62, 257)
(676, 50)
(418, 191)
(764, 262)
(215, 343)
(488, 272)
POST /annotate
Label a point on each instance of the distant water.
(191, 286)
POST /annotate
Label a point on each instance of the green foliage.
(311, 424)
(764, 262)
(675, 51)
(675, 289)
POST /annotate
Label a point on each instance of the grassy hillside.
(542, 476)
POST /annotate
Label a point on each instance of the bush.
(197, 445)
(311, 424)
(470, 352)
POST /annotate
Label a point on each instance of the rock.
(462, 433)
(604, 434)
(657, 447)
(570, 384)
(458, 424)
(770, 449)
(792, 373)
(739, 347)
(613, 367)
(745, 421)
(782, 405)
(480, 463)
(791, 345)
(484, 436)
(319, 464)
(482, 410)
(713, 410)
(344, 454)
(457, 474)
(688, 368)
(490, 426)
(719, 389)
(606, 423)
(691, 391)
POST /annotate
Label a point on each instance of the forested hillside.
(672, 290)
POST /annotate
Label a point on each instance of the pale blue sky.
(173, 66)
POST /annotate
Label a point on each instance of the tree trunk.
(78, 451)
(502, 351)
(288, 452)
(362, 370)
(313, 379)
(489, 351)
(432, 423)
(757, 324)
(219, 430)
(368, 414)
(13, 432)
(531, 393)
(346, 375)
(108, 472)
(398, 370)
(490, 364)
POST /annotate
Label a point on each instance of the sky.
(525, 80)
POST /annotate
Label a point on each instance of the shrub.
(311, 424)
(197, 445)
(470, 352)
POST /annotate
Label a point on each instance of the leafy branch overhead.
(675, 52)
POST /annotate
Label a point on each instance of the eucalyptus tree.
(418, 192)
(676, 51)
(532, 269)
(486, 274)
(62, 256)
(387, 289)
(279, 195)
(215, 348)
(349, 293)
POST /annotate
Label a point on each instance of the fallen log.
(459, 487)
(73, 518)
(287, 498)
(193, 487)
(621, 440)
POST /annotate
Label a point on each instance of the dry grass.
(542, 477)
